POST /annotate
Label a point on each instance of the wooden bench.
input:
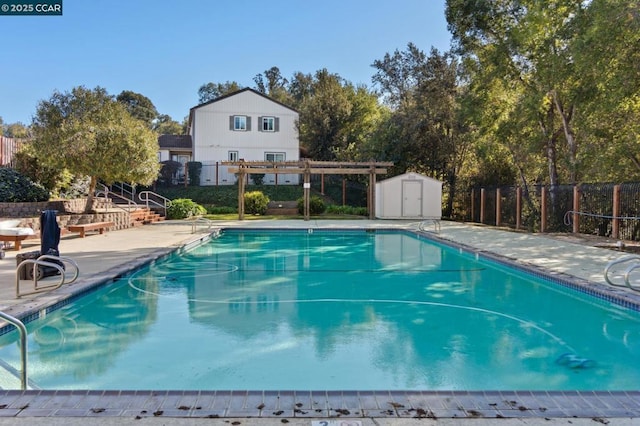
(15, 239)
(95, 226)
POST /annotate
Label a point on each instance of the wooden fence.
(8, 148)
(611, 210)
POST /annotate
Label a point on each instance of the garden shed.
(409, 196)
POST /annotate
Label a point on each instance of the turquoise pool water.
(332, 310)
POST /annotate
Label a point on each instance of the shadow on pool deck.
(101, 257)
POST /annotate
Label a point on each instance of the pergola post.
(307, 190)
(241, 174)
(372, 192)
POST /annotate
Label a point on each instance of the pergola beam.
(307, 168)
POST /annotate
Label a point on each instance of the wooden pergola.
(308, 168)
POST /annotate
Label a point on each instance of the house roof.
(247, 89)
(175, 141)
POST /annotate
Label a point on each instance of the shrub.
(255, 202)
(183, 208)
(316, 205)
(195, 169)
(347, 210)
(16, 188)
(257, 178)
(168, 170)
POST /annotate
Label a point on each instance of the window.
(239, 122)
(268, 124)
(274, 156)
(233, 155)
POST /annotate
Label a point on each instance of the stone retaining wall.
(75, 206)
(69, 212)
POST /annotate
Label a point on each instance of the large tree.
(89, 133)
(273, 84)
(139, 106)
(210, 91)
(425, 130)
(165, 125)
(323, 116)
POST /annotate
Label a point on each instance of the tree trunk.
(569, 136)
(88, 208)
(452, 179)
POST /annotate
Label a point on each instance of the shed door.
(411, 198)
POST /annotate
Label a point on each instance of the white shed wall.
(409, 196)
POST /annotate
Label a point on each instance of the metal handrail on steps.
(634, 262)
(144, 197)
(42, 261)
(22, 330)
(106, 194)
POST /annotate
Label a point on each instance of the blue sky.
(167, 49)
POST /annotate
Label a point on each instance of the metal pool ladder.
(422, 226)
(610, 276)
(23, 346)
(45, 261)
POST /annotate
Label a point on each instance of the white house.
(175, 148)
(243, 125)
(409, 196)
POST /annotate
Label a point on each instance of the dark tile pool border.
(320, 404)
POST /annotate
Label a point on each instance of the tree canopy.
(139, 106)
(89, 133)
(210, 91)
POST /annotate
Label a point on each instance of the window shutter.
(276, 124)
(248, 124)
(260, 124)
(231, 122)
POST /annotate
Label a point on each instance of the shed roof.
(411, 175)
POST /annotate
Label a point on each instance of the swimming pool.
(333, 310)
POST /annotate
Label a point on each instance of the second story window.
(233, 155)
(268, 124)
(239, 122)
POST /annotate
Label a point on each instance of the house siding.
(213, 138)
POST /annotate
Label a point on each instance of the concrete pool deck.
(104, 256)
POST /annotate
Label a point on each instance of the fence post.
(543, 209)
(482, 205)
(576, 209)
(615, 232)
(473, 204)
(518, 207)
(497, 206)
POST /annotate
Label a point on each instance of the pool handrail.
(197, 221)
(434, 220)
(626, 282)
(42, 261)
(22, 330)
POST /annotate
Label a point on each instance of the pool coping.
(321, 404)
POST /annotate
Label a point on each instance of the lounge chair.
(11, 232)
